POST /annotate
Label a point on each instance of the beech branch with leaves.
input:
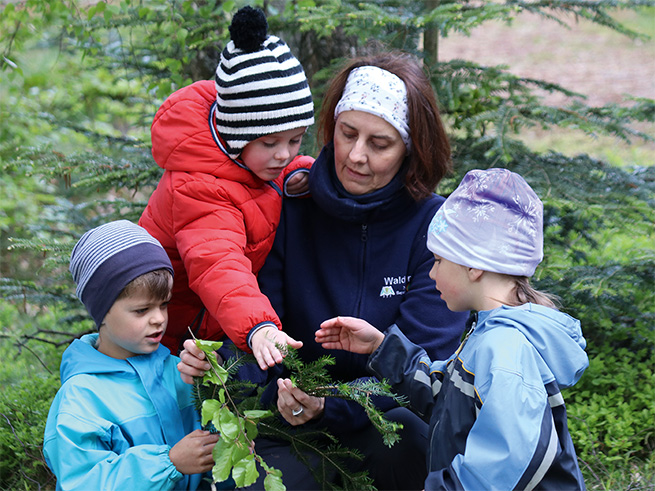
(221, 401)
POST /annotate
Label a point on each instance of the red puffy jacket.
(216, 220)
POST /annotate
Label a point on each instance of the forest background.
(80, 82)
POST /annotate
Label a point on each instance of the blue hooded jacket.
(113, 422)
(363, 256)
(497, 417)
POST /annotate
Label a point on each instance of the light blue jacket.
(497, 417)
(113, 422)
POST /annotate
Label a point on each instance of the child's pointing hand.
(265, 344)
(350, 334)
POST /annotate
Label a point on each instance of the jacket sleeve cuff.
(286, 180)
(257, 328)
(378, 357)
(174, 475)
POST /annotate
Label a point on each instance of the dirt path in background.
(594, 61)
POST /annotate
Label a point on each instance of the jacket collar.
(330, 195)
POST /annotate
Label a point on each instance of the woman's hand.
(193, 362)
(349, 334)
(265, 346)
(296, 406)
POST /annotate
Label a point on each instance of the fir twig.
(313, 379)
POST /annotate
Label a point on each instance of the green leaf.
(240, 451)
(210, 409)
(217, 374)
(245, 471)
(257, 414)
(251, 430)
(274, 483)
(181, 34)
(228, 6)
(222, 454)
(208, 346)
(227, 423)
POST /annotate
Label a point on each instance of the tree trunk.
(431, 36)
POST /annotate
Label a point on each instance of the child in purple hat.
(497, 416)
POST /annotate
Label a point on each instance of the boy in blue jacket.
(123, 418)
(497, 417)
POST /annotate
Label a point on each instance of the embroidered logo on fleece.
(395, 285)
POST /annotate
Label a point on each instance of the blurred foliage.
(80, 82)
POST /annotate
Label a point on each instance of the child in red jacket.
(229, 149)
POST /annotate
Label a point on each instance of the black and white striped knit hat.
(107, 258)
(261, 87)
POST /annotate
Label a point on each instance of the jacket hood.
(556, 336)
(81, 357)
(184, 137)
(330, 195)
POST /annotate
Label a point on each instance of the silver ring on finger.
(298, 412)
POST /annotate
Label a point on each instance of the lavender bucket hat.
(493, 221)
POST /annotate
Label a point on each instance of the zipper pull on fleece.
(364, 232)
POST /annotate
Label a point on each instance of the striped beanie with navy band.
(107, 258)
(261, 87)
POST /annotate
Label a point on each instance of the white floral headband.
(379, 92)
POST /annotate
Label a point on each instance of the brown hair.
(524, 293)
(429, 160)
(155, 284)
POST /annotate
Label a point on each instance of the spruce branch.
(331, 456)
(313, 379)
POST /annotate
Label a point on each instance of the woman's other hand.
(296, 406)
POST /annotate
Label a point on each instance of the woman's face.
(368, 152)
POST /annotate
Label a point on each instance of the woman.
(357, 248)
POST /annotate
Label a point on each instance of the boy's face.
(452, 281)
(267, 156)
(133, 326)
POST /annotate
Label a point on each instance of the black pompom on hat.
(248, 29)
(261, 87)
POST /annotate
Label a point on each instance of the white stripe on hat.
(269, 77)
(99, 244)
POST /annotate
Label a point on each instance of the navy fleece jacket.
(364, 256)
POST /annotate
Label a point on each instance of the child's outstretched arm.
(350, 334)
